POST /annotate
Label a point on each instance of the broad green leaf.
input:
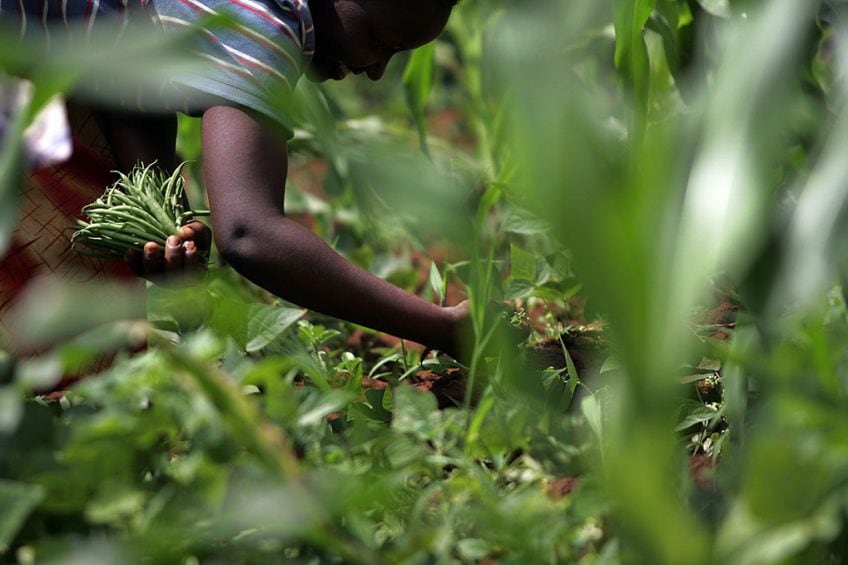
(670, 11)
(745, 538)
(519, 288)
(726, 205)
(229, 319)
(52, 310)
(473, 549)
(17, 501)
(376, 398)
(115, 505)
(672, 57)
(522, 263)
(267, 323)
(630, 17)
(693, 412)
(404, 451)
(516, 220)
(817, 229)
(631, 53)
(414, 411)
(544, 271)
(323, 405)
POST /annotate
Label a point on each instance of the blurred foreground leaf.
(417, 82)
(52, 310)
(17, 500)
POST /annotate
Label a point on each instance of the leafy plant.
(666, 172)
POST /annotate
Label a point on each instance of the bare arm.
(244, 166)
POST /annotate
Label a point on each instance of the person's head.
(361, 36)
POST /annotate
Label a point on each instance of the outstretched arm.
(244, 166)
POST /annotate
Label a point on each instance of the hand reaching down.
(457, 340)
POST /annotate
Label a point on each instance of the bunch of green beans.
(144, 205)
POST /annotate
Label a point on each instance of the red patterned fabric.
(51, 200)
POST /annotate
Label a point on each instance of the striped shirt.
(252, 59)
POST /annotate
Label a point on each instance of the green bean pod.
(145, 205)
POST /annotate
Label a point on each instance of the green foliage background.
(627, 152)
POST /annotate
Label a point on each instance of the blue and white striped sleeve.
(255, 57)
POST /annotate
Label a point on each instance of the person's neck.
(318, 9)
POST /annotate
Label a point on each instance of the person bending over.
(244, 140)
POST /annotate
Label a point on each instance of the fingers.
(192, 256)
(153, 260)
(174, 255)
(181, 254)
(178, 257)
(188, 232)
(197, 232)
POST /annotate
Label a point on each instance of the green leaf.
(523, 264)
(719, 8)
(473, 549)
(519, 289)
(630, 17)
(437, 283)
(573, 376)
(17, 501)
(670, 12)
(483, 409)
(694, 413)
(591, 409)
(52, 310)
(267, 323)
(418, 77)
(229, 319)
(115, 505)
(543, 271)
(631, 53)
(375, 398)
(11, 409)
(323, 405)
(517, 220)
(188, 137)
(659, 25)
(417, 83)
(413, 411)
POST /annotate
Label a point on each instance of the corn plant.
(625, 158)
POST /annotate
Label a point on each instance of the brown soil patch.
(560, 487)
(448, 388)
